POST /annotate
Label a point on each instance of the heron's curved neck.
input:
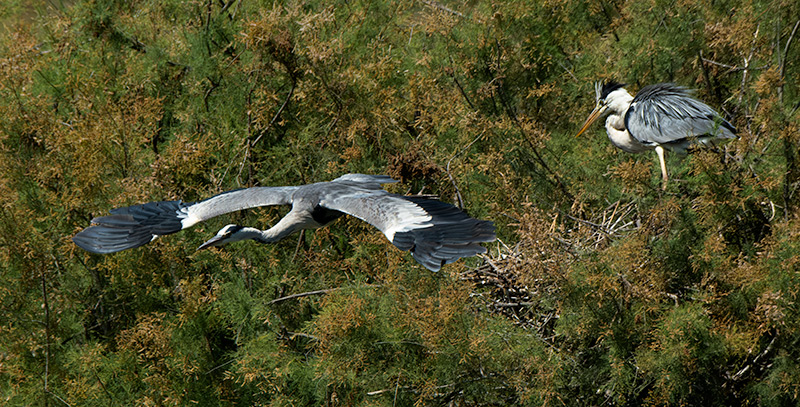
(620, 136)
(250, 233)
(619, 101)
(292, 222)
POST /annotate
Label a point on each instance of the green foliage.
(604, 290)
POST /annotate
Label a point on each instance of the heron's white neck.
(270, 235)
(293, 221)
(621, 138)
(618, 103)
(251, 233)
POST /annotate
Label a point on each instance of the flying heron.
(660, 116)
(435, 232)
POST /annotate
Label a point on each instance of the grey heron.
(661, 116)
(436, 233)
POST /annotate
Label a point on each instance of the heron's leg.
(665, 178)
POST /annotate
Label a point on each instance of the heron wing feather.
(435, 232)
(136, 225)
(665, 113)
(237, 200)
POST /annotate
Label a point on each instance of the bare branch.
(747, 65)
(439, 6)
(447, 169)
(782, 69)
(731, 68)
(566, 69)
(300, 295)
(786, 48)
(317, 292)
(277, 114)
(452, 73)
(46, 306)
(302, 335)
(299, 243)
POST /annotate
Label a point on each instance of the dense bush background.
(602, 289)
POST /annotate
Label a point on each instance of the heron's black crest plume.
(603, 89)
(235, 228)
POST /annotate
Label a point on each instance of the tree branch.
(447, 169)
(46, 306)
(782, 69)
(439, 6)
(300, 295)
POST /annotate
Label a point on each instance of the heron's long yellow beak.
(596, 113)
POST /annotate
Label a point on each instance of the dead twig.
(301, 295)
(299, 243)
(441, 7)
(310, 293)
(293, 335)
(447, 169)
(277, 114)
(732, 68)
(782, 69)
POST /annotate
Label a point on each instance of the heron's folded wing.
(667, 113)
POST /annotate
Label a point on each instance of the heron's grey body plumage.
(435, 233)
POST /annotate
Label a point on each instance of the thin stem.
(447, 169)
(300, 295)
(46, 304)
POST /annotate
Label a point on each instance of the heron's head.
(608, 97)
(229, 234)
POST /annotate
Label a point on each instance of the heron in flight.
(661, 116)
(436, 233)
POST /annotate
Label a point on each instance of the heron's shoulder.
(661, 91)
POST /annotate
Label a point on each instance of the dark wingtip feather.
(103, 239)
(726, 124)
(454, 235)
(130, 227)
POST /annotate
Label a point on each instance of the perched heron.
(435, 232)
(661, 116)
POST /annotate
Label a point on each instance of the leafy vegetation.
(602, 289)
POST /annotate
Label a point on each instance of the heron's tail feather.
(453, 235)
(132, 226)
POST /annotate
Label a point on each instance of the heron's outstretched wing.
(134, 226)
(665, 114)
(368, 181)
(436, 233)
